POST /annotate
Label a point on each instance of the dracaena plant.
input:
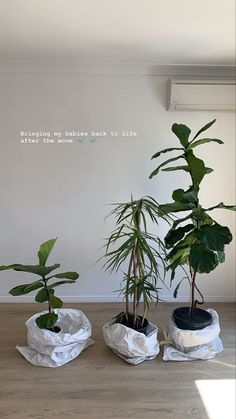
(196, 239)
(131, 245)
(45, 285)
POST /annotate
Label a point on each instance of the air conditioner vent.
(201, 95)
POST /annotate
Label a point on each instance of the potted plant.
(57, 335)
(132, 246)
(195, 239)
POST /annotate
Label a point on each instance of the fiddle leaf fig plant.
(44, 285)
(131, 244)
(196, 239)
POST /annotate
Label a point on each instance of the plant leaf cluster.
(195, 239)
(132, 243)
(46, 289)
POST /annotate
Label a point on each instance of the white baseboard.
(109, 299)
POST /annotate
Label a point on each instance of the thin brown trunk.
(193, 277)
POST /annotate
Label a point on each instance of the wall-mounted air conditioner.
(201, 94)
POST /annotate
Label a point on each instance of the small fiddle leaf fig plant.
(131, 244)
(196, 239)
(44, 285)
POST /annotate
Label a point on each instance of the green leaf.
(26, 288)
(203, 141)
(56, 284)
(173, 236)
(178, 194)
(185, 197)
(220, 206)
(197, 168)
(174, 168)
(174, 207)
(67, 275)
(199, 214)
(202, 259)
(165, 151)
(204, 128)
(36, 269)
(177, 289)
(6, 267)
(46, 321)
(42, 295)
(182, 132)
(156, 171)
(56, 302)
(45, 250)
(214, 236)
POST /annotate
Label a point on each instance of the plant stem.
(135, 292)
(48, 295)
(193, 277)
(127, 286)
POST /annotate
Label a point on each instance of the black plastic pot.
(140, 329)
(55, 329)
(185, 319)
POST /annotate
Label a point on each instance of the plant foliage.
(143, 252)
(45, 291)
(201, 242)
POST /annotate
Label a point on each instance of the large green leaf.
(208, 125)
(45, 250)
(36, 269)
(185, 196)
(214, 237)
(56, 302)
(202, 259)
(156, 171)
(182, 132)
(203, 141)
(174, 207)
(67, 275)
(42, 295)
(46, 321)
(181, 255)
(26, 288)
(197, 168)
(165, 151)
(173, 236)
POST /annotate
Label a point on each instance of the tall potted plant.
(196, 239)
(140, 255)
(131, 245)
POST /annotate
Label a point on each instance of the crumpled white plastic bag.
(132, 346)
(49, 349)
(189, 345)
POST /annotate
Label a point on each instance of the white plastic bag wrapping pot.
(132, 346)
(49, 349)
(189, 345)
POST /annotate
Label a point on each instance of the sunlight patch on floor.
(218, 397)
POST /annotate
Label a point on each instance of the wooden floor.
(100, 385)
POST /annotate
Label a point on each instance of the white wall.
(50, 190)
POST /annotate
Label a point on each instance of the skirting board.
(109, 299)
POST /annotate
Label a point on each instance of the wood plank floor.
(100, 385)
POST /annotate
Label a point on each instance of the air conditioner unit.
(201, 94)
